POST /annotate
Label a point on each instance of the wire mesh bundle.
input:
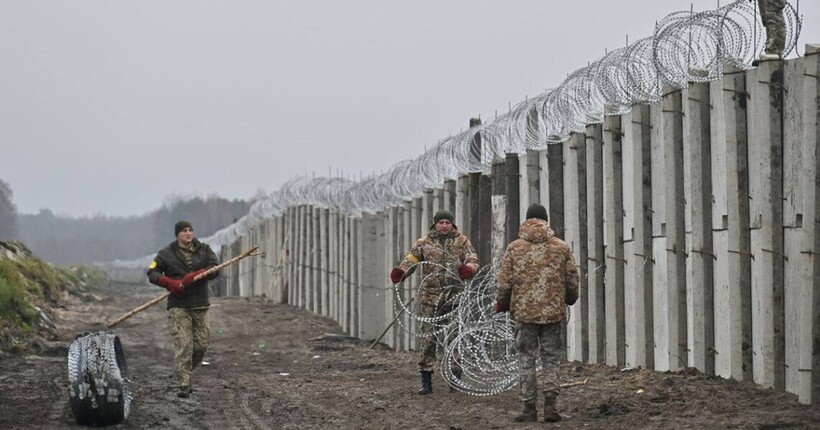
(99, 388)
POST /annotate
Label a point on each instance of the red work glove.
(502, 306)
(172, 285)
(465, 272)
(189, 278)
(396, 275)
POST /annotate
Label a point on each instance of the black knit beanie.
(443, 214)
(179, 226)
(537, 211)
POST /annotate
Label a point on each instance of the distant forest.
(8, 213)
(65, 240)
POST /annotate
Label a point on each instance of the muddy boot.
(426, 383)
(184, 392)
(529, 415)
(550, 410)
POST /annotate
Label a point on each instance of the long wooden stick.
(575, 384)
(156, 300)
(391, 324)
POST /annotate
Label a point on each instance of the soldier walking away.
(771, 14)
(174, 268)
(537, 279)
(452, 260)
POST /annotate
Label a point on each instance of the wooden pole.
(156, 300)
(391, 323)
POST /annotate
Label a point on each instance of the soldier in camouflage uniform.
(771, 14)
(537, 279)
(174, 268)
(453, 260)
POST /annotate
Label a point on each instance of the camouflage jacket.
(448, 253)
(538, 275)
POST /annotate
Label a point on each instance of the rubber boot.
(426, 383)
(184, 392)
(529, 415)
(550, 410)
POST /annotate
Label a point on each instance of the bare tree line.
(68, 240)
(8, 213)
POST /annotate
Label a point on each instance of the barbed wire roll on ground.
(472, 337)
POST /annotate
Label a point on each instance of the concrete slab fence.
(693, 221)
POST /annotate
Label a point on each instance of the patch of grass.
(90, 275)
(43, 275)
(15, 309)
(77, 278)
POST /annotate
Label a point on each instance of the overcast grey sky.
(108, 107)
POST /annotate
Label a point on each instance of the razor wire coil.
(685, 47)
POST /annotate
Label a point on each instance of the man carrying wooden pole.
(177, 268)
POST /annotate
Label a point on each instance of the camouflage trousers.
(444, 304)
(532, 341)
(191, 332)
(771, 14)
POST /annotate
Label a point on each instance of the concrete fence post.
(530, 187)
(512, 217)
(316, 305)
(291, 251)
(484, 239)
(638, 299)
(324, 262)
(575, 211)
(407, 286)
(419, 227)
(596, 259)
(462, 204)
(354, 273)
(449, 196)
(765, 86)
(427, 210)
(234, 287)
(800, 200)
(552, 164)
(371, 302)
(499, 210)
(391, 226)
(301, 279)
(669, 251)
(614, 258)
(697, 145)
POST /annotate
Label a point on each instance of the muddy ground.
(268, 370)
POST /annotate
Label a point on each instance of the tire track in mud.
(252, 416)
(240, 328)
(237, 409)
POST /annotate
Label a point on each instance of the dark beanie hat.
(179, 226)
(537, 211)
(443, 214)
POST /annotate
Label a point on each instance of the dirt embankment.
(271, 367)
(30, 291)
